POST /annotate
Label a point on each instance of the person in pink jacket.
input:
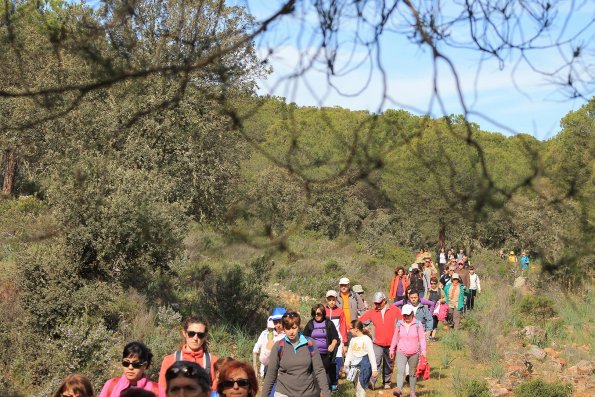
(136, 358)
(409, 340)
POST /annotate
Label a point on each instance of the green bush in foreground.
(538, 388)
(476, 388)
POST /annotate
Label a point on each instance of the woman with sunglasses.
(237, 379)
(136, 358)
(75, 385)
(295, 364)
(326, 337)
(194, 349)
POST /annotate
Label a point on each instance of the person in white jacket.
(474, 288)
(360, 358)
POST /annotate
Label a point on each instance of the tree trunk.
(10, 170)
(442, 235)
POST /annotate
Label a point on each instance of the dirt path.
(448, 369)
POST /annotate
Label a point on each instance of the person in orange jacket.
(398, 285)
(195, 349)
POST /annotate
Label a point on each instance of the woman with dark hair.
(75, 385)
(360, 358)
(325, 335)
(295, 364)
(237, 379)
(398, 285)
(194, 349)
(136, 358)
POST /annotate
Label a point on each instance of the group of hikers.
(343, 337)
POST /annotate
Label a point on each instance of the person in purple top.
(324, 334)
(423, 301)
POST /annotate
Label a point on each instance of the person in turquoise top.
(455, 293)
(524, 262)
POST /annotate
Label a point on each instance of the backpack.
(417, 282)
(207, 362)
(281, 343)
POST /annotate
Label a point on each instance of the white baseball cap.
(344, 281)
(407, 310)
(331, 292)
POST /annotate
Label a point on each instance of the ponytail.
(360, 327)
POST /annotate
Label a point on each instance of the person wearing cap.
(273, 333)
(188, 379)
(512, 258)
(351, 303)
(408, 343)
(454, 292)
(417, 280)
(384, 317)
(336, 315)
(474, 288)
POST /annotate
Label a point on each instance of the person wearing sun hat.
(454, 292)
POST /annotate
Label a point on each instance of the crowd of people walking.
(343, 337)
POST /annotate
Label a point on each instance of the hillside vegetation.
(133, 202)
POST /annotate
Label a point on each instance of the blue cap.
(278, 312)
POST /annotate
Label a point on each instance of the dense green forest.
(120, 188)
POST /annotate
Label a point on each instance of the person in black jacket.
(325, 336)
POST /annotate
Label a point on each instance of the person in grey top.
(295, 364)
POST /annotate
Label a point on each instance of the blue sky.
(513, 95)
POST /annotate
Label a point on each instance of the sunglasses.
(318, 314)
(227, 383)
(176, 370)
(135, 364)
(291, 314)
(192, 334)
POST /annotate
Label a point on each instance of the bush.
(537, 309)
(475, 388)
(538, 388)
(453, 340)
(233, 295)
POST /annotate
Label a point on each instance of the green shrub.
(234, 295)
(475, 388)
(536, 309)
(538, 388)
(453, 340)
(497, 371)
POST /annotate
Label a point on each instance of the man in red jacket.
(384, 318)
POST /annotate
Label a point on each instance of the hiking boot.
(386, 386)
(397, 392)
(334, 388)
